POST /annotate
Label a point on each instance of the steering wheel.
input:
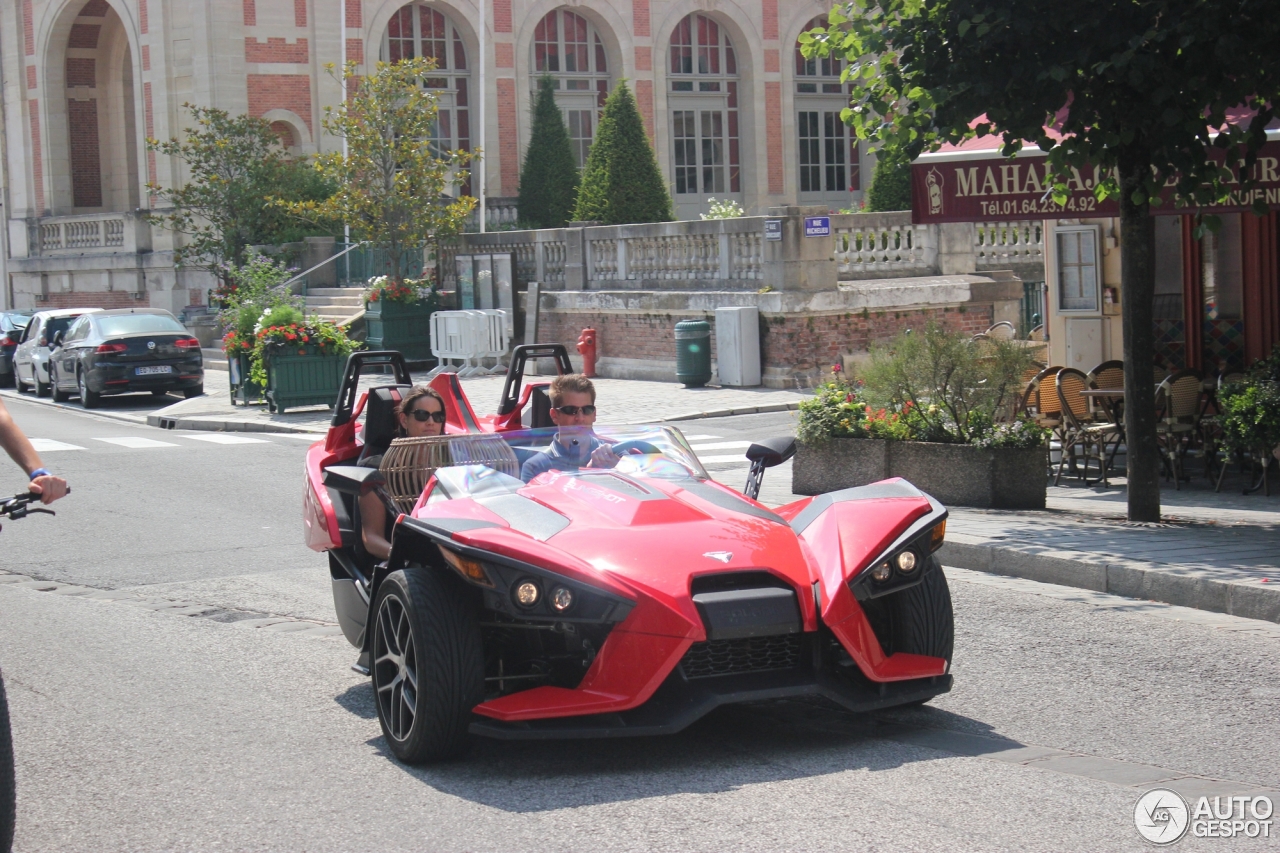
(640, 446)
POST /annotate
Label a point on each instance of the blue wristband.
(40, 472)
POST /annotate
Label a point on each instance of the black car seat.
(380, 422)
(540, 403)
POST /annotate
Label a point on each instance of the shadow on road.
(733, 747)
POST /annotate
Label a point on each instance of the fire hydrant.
(587, 349)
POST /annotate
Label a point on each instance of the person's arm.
(18, 446)
(373, 526)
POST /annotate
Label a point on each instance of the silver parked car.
(31, 359)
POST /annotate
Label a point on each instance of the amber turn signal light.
(937, 535)
(467, 567)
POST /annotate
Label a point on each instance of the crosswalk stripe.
(699, 437)
(709, 460)
(224, 438)
(136, 442)
(721, 445)
(48, 445)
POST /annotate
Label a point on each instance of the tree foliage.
(621, 183)
(890, 183)
(1152, 92)
(549, 177)
(392, 183)
(234, 165)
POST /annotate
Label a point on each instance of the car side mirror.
(772, 451)
(57, 340)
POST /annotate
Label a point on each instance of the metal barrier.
(469, 337)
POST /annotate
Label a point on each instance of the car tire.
(197, 391)
(922, 619)
(88, 399)
(59, 396)
(18, 384)
(428, 665)
(8, 800)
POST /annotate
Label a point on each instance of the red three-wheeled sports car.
(608, 602)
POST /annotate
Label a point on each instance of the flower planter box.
(398, 326)
(244, 391)
(955, 474)
(302, 380)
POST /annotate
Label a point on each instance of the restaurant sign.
(982, 188)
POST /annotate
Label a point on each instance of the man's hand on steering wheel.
(603, 457)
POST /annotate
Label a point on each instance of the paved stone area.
(622, 401)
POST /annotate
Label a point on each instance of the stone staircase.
(339, 304)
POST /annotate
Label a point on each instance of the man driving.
(573, 411)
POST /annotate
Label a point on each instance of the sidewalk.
(623, 401)
(1218, 552)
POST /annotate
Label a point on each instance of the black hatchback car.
(123, 351)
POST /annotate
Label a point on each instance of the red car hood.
(647, 535)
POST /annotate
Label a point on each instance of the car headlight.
(906, 562)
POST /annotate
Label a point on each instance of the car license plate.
(150, 371)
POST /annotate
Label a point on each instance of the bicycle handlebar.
(19, 506)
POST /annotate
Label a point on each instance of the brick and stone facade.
(88, 81)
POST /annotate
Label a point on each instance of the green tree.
(621, 182)
(234, 165)
(549, 177)
(1130, 86)
(392, 183)
(890, 183)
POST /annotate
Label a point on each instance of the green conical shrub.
(621, 183)
(549, 178)
(890, 184)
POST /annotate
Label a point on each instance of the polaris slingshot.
(609, 602)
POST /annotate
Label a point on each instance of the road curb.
(225, 425)
(1250, 599)
(728, 413)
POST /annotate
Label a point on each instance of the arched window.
(567, 47)
(703, 74)
(829, 165)
(420, 31)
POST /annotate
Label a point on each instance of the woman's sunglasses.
(422, 416)
(571, 411)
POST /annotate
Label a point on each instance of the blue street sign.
(817, 226)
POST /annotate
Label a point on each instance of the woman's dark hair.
(415, 394)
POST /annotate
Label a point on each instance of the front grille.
(750, 654)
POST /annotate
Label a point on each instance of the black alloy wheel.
(88, 399)
(59, 396)
(428, 668)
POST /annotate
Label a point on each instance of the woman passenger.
(421, 413)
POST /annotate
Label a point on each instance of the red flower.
(835, 368)
(290, 336)
(245, 345)
(306, 339)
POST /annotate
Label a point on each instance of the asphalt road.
(160, 704)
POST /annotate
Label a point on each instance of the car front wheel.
(88, 399)
(427, 668)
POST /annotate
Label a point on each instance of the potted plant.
(398, 315)
(297, 360)
(249, 291)
(1250, 417)
(934, 409)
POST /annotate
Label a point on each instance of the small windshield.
(643, 451)
(133, 324)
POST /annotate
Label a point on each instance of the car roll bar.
(515, 372)
(356, 363)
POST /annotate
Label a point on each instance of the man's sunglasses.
(571, 411)
(422, 416)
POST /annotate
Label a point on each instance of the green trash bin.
(693, 353)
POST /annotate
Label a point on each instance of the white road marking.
(699, 437)
(136, 442)
(48, 445)
(708, 460)
(722, 445)
(224, 438)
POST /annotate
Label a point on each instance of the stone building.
(734, 111)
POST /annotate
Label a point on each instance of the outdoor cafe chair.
(1039, 400)
(1109, 374)
(1080, 432)
(1178, 405)
(1003, 331)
